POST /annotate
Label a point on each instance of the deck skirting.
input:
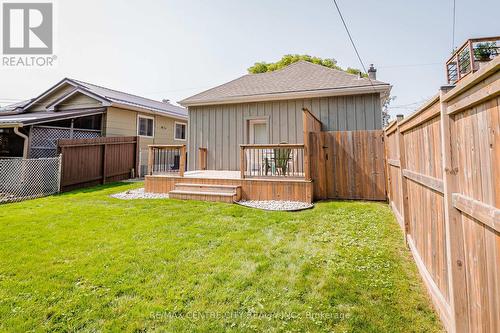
(251, 189)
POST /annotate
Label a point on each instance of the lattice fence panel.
(82, 134)
(44, 139)
(22, 179)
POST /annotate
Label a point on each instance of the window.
(180, 131)
(145, 126)
(257, 130)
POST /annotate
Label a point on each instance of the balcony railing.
(272, 161)
(166, 160)
(470, 56)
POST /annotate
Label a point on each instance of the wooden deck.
(294, 189)
(329, 165)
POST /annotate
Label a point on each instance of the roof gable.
(295, 79)
(64, 90)
(126, 99)
(49, 96)
(78, 99)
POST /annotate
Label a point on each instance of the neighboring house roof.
(133, 100)
(30, 118)
(298, 80)
(113, 98)
(15, 106)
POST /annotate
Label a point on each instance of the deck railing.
(272, 161)
(469, 57)
(166, 159)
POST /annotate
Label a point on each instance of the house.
(76, 109)
(267, 109)
(259, 135)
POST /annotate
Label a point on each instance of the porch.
(328, 165)
(268, 172)
(35, 134)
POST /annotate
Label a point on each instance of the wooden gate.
(88, 162)
(348, 165)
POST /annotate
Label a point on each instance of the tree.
(355, 71)
(262, 67)
(385, 111)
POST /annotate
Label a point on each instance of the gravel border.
(274, 205)
(270, 205)
(138, 194)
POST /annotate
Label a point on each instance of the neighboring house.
(16, 107)
(267, 109)
(76, 109)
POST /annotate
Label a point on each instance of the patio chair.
(281, 159)
(266, 165)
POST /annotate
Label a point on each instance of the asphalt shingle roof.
(301, 76)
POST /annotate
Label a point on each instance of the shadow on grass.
(97, 188)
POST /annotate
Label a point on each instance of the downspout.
(25, 145)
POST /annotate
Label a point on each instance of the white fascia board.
(292, 95)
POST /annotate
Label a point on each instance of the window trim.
(139, 116)
(175, 132)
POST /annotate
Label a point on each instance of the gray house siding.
(222, 128)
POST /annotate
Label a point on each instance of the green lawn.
(85, 261)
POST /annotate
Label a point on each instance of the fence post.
(202, 158)
(103, 164)
(307, 144)
(137, 157)
(182, 163)
(404, 184)
(471, 56)
(59, 172)
(387, 168)
(150, 160)
(454, 238)
(242, 162)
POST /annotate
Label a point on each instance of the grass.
(84, 261)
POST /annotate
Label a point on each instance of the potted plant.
(483, 51)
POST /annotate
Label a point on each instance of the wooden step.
(207, 187)
(234, 190)
(203, 196)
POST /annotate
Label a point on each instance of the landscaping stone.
(139, 194)
(277, 205)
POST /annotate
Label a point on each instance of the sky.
(168, 49)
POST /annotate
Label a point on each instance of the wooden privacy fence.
(348, 165)
(88, 162)
(344, 164)
(443, 166)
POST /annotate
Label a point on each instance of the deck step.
(196, 194)
(206, 192)
(207, 187)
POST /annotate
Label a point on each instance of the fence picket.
(88, 162)
(452, 171)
